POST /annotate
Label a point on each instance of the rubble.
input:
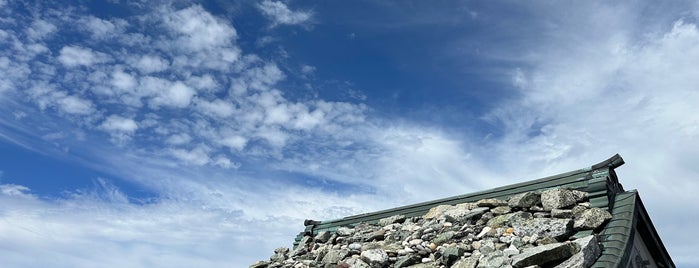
(529, 229)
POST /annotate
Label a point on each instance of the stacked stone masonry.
(533, 229)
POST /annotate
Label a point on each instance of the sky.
(203, 133)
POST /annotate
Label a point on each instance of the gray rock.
(491, 202)
(260, 264)
(578, 210)
(474, 213)
(501, 210)
(355, 246)
(470, 262)
(406, 261)
(543, 227)
(375, 235)
(579, 196)
(436, 211)
(355, 263)
(458, 211)
(589, 252)
(591, 219)
(335, 255)
(558, 198)
(561, 213)
(375, 257)
(391, 220)
(426, 265)
(451, 254)
(323, 237)
(512, 250)
(280, 254)
(487, 246)
(545, 254)
(494, 260)
(344, 231)
(524, 200)
(443, 237)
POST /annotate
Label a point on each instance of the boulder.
(558, 198)
(280, 254)
(260, 264)
(336, 255)
(543, 227)
(493, 260)
(451, 254)
(589, 252)
(406, 261)
(436, 211)
(545, 254)
(391, 220)
(591, 219)
(524, 200)
(375, 257)
(322, 237)
(470, 262)
(491, 202)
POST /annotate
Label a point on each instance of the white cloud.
(118, 124)
(15, 190)
(176, 95)
(199, 30)
(123, 81)
(198, 156)
(280, 13)
(234, 142)
(179, 139)
(72, 56)
(47, 96)
(100, 28)
(75, 105)
(40, 29)
(217, 108)
(150, 64)
(307, 69)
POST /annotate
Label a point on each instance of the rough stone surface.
(501, 210)
(524, 200)
(558, 198)
(335, 255)
(452, 254)
(491, 202)
(466, 235)
(544, 227)
(495, 260)
(561, 213)
(407, 261)
(260, 264)
(589, 252)
(323, 237)
(545, 254)
(344, 231)
(375, 257)
(592, 218)
(436, 211)
(392, 219)
(470, 262)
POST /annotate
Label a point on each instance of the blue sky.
(186, 133)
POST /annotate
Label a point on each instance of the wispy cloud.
(279, 13)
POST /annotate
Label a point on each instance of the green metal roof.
(599, 181)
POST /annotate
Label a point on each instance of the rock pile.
(528, 230)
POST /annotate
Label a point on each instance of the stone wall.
(533, 229)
